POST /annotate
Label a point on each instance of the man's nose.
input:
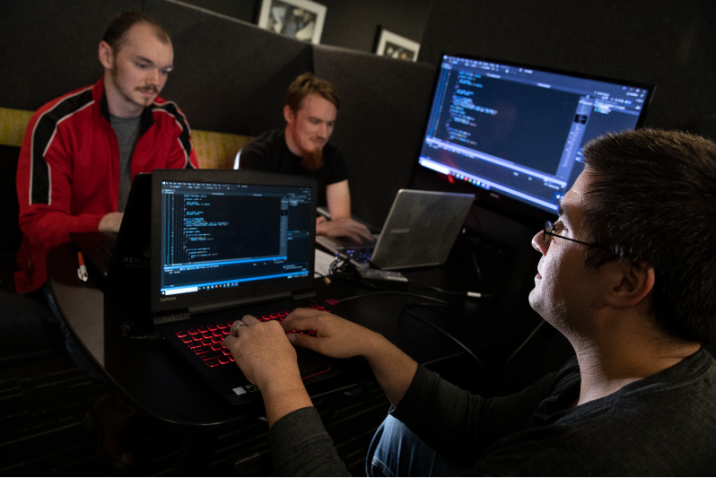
(539, 244)
(153, 78)
(323, 131)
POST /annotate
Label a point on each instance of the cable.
(474, 295)
(490, 293)
(406, 309)
(502, 369)
(393, 292)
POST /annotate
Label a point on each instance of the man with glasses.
(627, 274)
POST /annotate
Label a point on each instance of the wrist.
(280, 382)
(281, 400)
(375, 344)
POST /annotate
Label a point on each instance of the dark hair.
(307, 84)
(652, 197)
(121, 23)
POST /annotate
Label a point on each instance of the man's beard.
(312, 160)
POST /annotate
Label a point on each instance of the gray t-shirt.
(127, 131)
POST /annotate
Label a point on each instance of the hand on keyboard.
(345, 227)
(334, 336)
(206, 341)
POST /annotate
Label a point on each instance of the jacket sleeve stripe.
(171, 109)
(43, 134)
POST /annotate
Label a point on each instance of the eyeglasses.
(548, 230)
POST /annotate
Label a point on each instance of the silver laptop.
(420, 230)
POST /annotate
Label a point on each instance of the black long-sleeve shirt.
(664, 424)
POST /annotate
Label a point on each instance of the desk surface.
(163, 385)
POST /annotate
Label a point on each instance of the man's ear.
(633, 283)
(288, 114)
(106, 55)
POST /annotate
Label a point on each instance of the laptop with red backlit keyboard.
(225, 244)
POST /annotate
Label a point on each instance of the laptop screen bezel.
(217, 299)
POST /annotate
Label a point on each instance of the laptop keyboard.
(359, 255)
(205, 341)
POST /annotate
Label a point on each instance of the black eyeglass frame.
(547, 230)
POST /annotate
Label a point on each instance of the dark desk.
(164, 386)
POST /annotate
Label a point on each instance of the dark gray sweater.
(662, 425)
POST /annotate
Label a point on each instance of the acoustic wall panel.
(50, 47)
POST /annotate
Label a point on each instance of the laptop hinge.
(200, 309)
(304, 294)
(171, 317)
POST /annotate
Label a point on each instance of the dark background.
(349, 23)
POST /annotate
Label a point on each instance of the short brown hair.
(307, 84)
(121, 23)
(652, 197)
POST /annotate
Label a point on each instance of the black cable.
(474, 295)
(393, 292)
(502, 369)
(406, 309)
(478, 271)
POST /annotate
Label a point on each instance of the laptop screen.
(231, 239)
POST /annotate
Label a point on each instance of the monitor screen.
(220, 235)
(518, 131)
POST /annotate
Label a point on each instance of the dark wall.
(245, 10)
(349, 23)
(36, 40)
(663, 42)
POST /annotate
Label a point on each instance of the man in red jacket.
(79, 156)
(82, 150)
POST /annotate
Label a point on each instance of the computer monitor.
(517, 132)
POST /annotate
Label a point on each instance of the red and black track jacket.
(68, 171)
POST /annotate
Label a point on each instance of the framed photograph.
(395, 46)
(299, 19)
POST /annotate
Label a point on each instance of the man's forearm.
(392, 367)
(283, 399)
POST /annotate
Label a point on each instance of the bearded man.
(302, 148)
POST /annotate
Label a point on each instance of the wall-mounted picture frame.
(394, 46)
(299, 19)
